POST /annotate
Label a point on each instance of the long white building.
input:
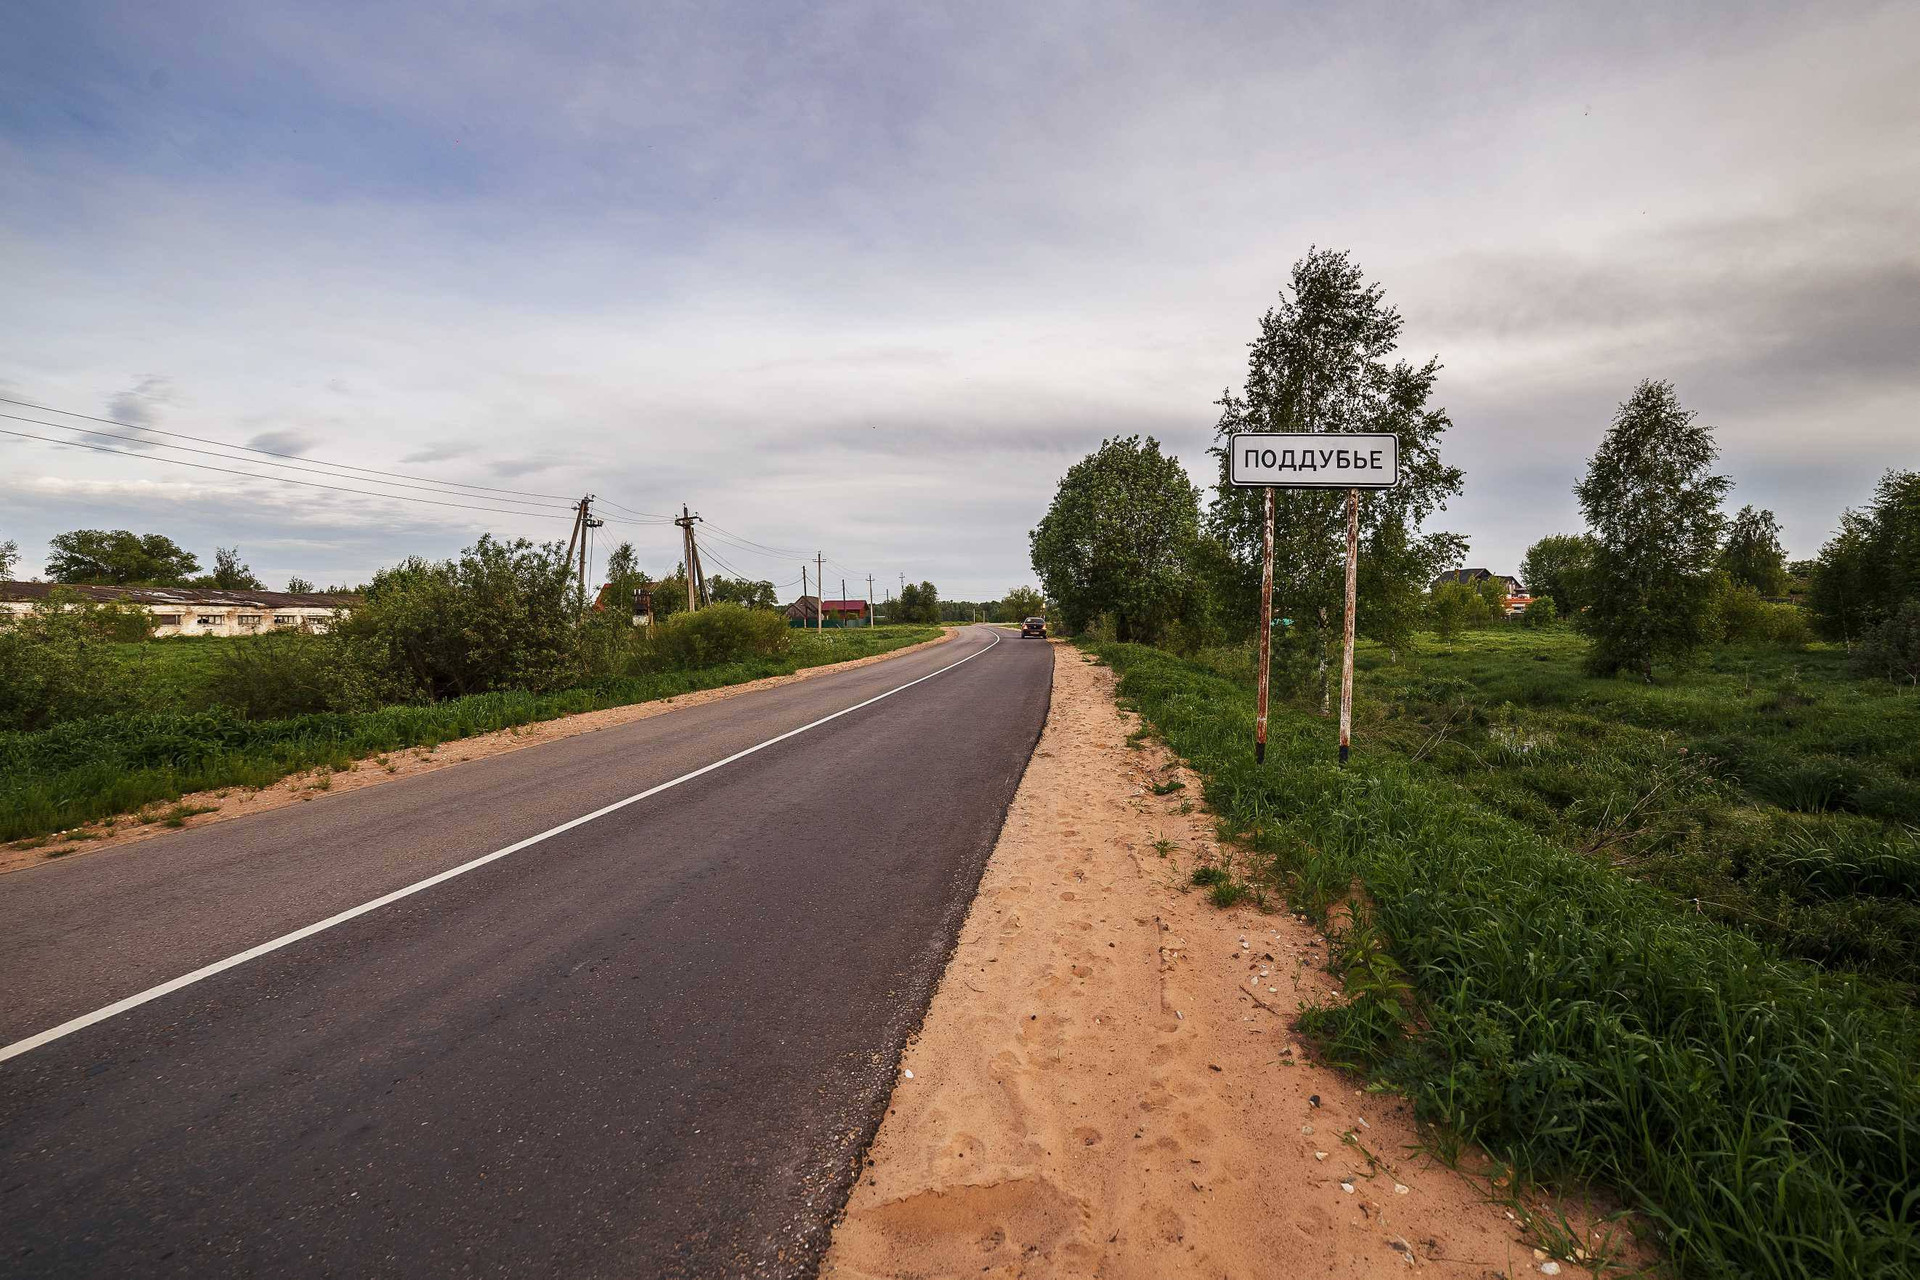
(196, 611)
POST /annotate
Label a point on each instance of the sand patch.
(234, 802)
(1107, 1082)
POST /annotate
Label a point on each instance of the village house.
(194, 611)
(805, 612)
(1516, 595)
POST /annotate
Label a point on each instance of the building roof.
(1475, 575)
(844, 606)
(187, 597)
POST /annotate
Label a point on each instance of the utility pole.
(583, 520)
(820, 576)
(573, 539)
(869, 599)
(696, 583)
(803, 587)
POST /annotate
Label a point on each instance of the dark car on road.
(1034, 627)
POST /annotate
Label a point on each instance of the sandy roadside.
(234, 802)
(1106, 1083)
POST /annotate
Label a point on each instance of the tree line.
(1128, 547)
(122, 558)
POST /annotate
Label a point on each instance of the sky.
(865, 279)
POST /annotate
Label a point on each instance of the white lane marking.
(86, 1020)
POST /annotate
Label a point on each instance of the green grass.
(1765, 789)
(177, 673)
(83, 770)
(1538, 1000)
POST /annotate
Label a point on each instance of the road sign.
(1333, 460)
(1329, 461)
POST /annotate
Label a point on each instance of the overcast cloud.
(866, 278)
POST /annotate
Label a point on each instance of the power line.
(343, 466)
(746, 543)
(650, 515)
(254, 475)
(208, 453)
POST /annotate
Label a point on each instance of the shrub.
(295, 673)
(496, 618)
(1744, 618)
(1891, 650)
(1541, 612)
(720, 633)
(55, 663)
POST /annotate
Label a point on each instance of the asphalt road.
(653, 1044)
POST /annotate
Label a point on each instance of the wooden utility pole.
(1266, 633)
(696, 587)
(869, 599)
(1346, 660)
(583, 520)
(820, 576)
(573, 540)
(803, 588)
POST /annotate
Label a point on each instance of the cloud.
(869, 277)
(283, 441)
(444, 452)
(139, 405)
(508, 467)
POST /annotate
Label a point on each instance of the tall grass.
(1765, 1115)
(1768, 790)
(83, 770)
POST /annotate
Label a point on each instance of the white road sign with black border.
(1315, 461)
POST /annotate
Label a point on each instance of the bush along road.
(83, 770)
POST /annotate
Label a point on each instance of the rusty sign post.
(1266, 634)
(1311, 461)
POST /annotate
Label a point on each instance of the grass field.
(1519, 960)
(1765, 789)
(84, 770)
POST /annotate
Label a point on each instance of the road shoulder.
(1107, 1082)
(198, 809)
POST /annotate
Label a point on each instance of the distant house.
(193, 611)
(1516, 597)
(1474, 577)
(805, 612)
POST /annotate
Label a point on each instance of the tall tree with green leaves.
(1752, 554)
(1653, 503)
(1022, 603)
(1557, 566)
(9, 555)
(1322, 363)
(1118, 539)
(229, 574)
(745, 592)
(919, 603)
(102, 557)
(1870, 568)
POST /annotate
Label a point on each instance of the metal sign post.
(1311, 461)
(1266, 635)
(1346, 658)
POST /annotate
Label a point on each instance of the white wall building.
(195, 611)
